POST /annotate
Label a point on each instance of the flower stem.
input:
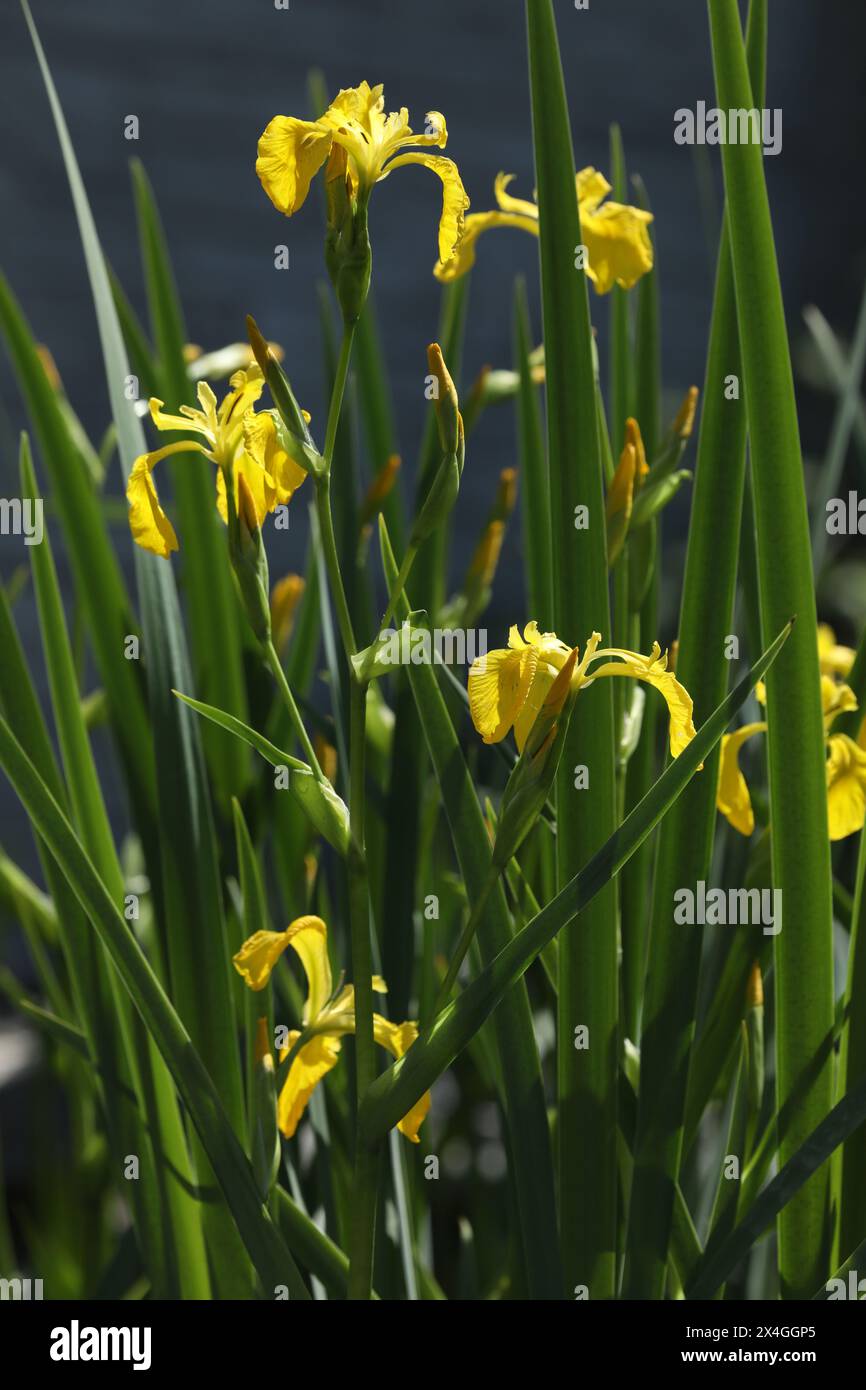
(366, 1159)
(276, 666)
(332, 564)
(323, 494)
(337, 392)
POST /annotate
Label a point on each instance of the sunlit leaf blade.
(215, 619)
(195, 925)
(588, 993)
(795, 740)
(196, 1087)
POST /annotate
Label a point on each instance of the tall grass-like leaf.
(197, 1089)
(686, 839)
(401, 1085)
(192, 900)
(534, 482)
(620, 367)
(409, 755)
(809, 1158)
(518, 1053)
(429, 571)
(98, 581)
(852, 1068)
(92, 995)
(588, 985)
(215, 618)
(847, 407)
(635, 883)
(377, 413)
(796, 752)
(169, 1200)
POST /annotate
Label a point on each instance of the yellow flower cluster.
(846, 760)
(328, 1016)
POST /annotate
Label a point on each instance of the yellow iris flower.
(292, 151)
(236, 439)
(328, 1016)
(507, 687)
(619, 250)
(846, 762)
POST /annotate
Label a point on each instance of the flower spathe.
(618, 245)
(507, 687)
(846, 761)
(328, 1015)
(292, 151)
(235, 438)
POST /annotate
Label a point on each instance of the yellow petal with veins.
(653, 670)
(454, 197)
(290, 154)
(150, 527)
(309, 937)
(262, 444)
(498, 686)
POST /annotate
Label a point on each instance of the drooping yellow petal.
(291, 152)
(732, 797)
(653, 670)
(309, 937)
(455, 200)
(313, 1062)
(150, 527)
(258, 956)
(846, 786)
(498, 686)
(615, 235)
(397, 1038)
(463, 257)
